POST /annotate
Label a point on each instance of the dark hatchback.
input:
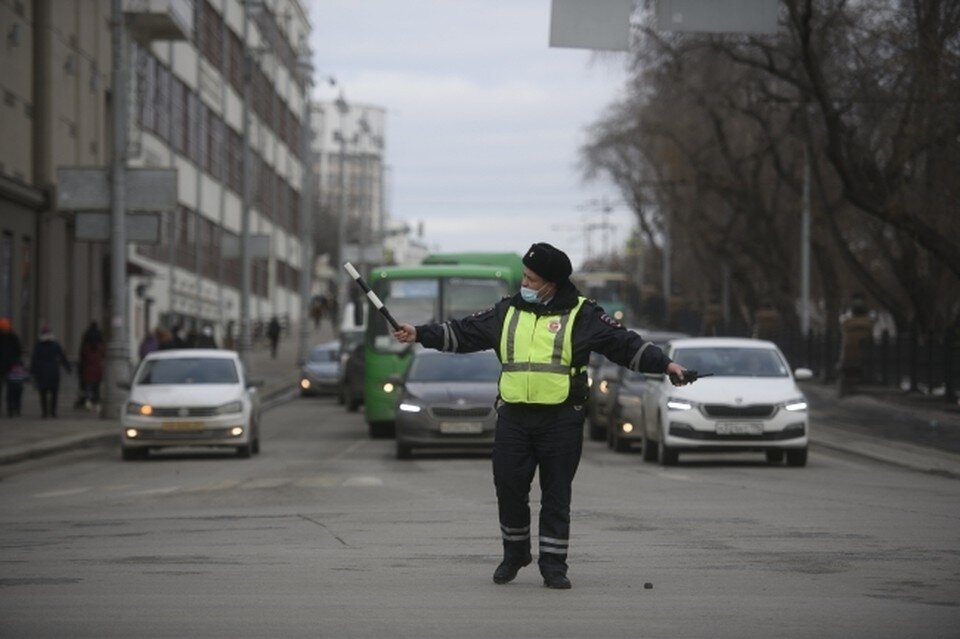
(446, 400)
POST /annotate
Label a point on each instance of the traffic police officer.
(543, 336)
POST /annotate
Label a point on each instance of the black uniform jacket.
(593, 330)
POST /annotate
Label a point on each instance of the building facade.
(186, 112)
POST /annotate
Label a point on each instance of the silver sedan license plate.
(739, 428)
(461, 428)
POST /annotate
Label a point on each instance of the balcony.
(150, 20)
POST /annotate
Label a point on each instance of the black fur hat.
(548, 262)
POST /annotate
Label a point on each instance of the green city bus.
(418, 295)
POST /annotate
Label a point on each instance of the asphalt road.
(325, 534)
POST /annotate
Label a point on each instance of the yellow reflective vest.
(536, 352)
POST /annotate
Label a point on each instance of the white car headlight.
(136, 408)
(232, 407)
(795, 405)
(679, 404)
(410, 407)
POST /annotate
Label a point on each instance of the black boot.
(556, 580)
(508, 569)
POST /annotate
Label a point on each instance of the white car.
(191, 397)
(751, 402)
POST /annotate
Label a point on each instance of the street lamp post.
(343, 108)
(118, 358)
(306, 208)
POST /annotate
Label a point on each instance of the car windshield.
(319, 355)
(189, 370)
(732, 361)
(451, 367)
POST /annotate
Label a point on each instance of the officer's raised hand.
(676, 371)
(407, 334)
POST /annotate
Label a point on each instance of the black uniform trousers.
(548, 438)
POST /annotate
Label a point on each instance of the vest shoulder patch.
(609, 320)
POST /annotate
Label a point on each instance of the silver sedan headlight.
(410, 407)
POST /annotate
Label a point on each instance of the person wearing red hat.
(543, 335)
(10, 354)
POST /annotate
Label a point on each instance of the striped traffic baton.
(370, 294)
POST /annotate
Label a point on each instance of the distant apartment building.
(186, 108)
(358, 132)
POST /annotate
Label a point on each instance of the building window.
(178, 116)
(162, 103)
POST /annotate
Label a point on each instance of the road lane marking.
(274, 482)
(153, 491)
(362, 480)
(61, 493)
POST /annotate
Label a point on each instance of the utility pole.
(243, 345)
(805, 230)
(306, 208)
(118, 359)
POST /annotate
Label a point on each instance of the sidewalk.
(883, 424)
(29, 436)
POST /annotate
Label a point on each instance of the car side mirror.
(254, 383)
(124, 385)
(803, 374)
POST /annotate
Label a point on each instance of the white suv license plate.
(461, 428)
(739, 428)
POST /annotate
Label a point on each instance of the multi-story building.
(186, 110)
(353, 134)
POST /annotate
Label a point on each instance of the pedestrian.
(93, 351)
(543, 335)
(10, 356)
(149, 343)
(273, 333)
(45, 368)
(205, 338)
(165, 339)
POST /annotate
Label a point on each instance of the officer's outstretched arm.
(406, 334)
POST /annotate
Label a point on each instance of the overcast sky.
(484, 119)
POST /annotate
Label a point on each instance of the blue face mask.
(530, 295)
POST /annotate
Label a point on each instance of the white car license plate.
(739, 428)
(461, 428)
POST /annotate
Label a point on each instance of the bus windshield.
(418, 301)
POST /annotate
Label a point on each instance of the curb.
(110, 435)
(16, 454)
(901, 454)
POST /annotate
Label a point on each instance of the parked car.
(626, 397)
(320, 374)
(751, 403)
(349, 341)
(602, 382)
(190, 397)
(354, 378)
(447, 400)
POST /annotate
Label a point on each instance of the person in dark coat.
(10, 354)
(93, 351)
(273, 332)
(543, 335)
(45, 365)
